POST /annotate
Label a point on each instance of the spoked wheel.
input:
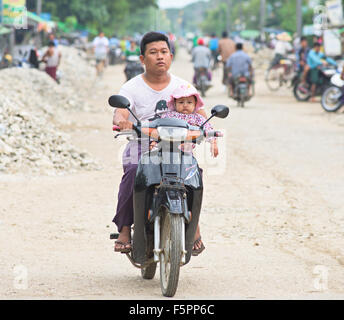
(273, 78)
(170, 257)
(331, 99)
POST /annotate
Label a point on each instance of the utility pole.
(299, 17)
(38, 7)
(228, 18)
(262, 16)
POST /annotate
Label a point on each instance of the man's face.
(157, 58)
(304, 43)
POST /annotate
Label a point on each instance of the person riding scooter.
(201, 58)
(315, 60)
(239, 64)
(133, 66)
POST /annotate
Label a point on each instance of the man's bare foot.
(123, 243)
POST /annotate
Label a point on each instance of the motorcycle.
(115, 55)
(167, 196)
(133, 67)
(333, 97)
(302, 91)
(201, 80)
(241, 90)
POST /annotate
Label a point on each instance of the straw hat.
(283, 36)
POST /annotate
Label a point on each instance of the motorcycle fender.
(172, 200)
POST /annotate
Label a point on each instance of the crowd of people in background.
(207, 51)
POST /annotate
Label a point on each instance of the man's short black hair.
(316, 44)
(224, 34)
(152, 37)
(51, 44)
(239, 46)
(303, 38)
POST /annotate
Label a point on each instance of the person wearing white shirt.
(101, 49)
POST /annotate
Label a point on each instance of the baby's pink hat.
(185, 90)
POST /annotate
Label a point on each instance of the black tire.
(148, 273)
(170, 258)
(299, 95)
(202, 88)
(326, 99)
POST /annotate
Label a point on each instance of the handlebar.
(195, 134)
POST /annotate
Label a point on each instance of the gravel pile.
(30, 143)
(32, 105)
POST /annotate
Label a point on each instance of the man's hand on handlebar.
(125, 125)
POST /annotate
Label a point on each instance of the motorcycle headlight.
(172, 133)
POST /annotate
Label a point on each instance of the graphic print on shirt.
(160, 108)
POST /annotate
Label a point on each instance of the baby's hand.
(152, 145)
(214, 149)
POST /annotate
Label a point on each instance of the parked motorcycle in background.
(133, 67)
(333, 97)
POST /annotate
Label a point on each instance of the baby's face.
(186, 105)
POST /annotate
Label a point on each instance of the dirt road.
(272, 219)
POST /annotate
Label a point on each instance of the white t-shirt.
(100, 46)
(282, 47)
(145, 102)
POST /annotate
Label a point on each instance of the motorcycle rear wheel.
(273, 79)
(148, 272)
(299, 94)
(170, 257)
(330, 99)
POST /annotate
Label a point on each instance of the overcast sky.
(174, 3)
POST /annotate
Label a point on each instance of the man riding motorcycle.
(302, 54)
(132, 68)
(315, 60)
(147, 93)
(201, 57)
(239, 64)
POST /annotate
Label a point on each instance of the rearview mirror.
(118, 101)
(220, 111)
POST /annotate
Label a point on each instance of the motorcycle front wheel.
(331, 99)
(170, 257)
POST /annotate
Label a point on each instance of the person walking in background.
(226, 49)
(52, 58)
(101, 49)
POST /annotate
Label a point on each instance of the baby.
(183, 104)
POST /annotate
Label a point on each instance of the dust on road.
(272, 218)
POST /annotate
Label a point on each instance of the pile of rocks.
(32, 105)
(29, 143)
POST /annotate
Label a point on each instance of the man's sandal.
(196, 252)
(123, 246)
